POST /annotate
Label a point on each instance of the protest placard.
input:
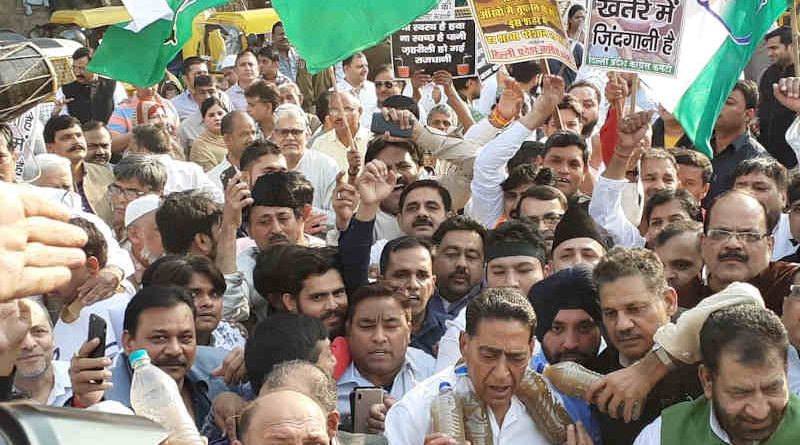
(640, 36)
(445, 10)
(519, 30)
(432, 46)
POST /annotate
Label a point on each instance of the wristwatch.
(663, 357)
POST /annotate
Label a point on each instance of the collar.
(437, 301)
(61, 380)
(716, 428)
(352, 374)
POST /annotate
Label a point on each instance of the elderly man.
(336, 143)
(64, 137)
(743, 371)
(54, 172)
(144, 240)
(134, 177)
(301, 419)
(290, 134)
(38, 375)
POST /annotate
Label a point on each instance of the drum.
(26, 78)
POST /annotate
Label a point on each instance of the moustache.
(172, 362)
(277, 238)
(460, 272)
(422, 221)
(338, 312)
(627, 335)
(77, 147)
(732, 255)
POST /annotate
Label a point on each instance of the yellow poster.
(519, 30)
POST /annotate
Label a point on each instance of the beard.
(734, 423)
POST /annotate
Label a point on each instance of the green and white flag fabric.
(327, 31)
(719, 36)
(138, 51)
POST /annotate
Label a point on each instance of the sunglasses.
(388, 83)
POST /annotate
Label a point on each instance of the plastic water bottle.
(155, 395)
(447, 414)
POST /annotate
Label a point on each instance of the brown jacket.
(96, 179)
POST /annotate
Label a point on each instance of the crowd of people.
(275, 256)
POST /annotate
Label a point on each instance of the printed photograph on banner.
(519, 30)
(640, 36)
(445, 10)
(433, 46)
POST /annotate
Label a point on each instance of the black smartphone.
(380, 126)
(97, 329)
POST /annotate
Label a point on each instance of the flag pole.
(795, 30)
(558, 110)
(351, 142)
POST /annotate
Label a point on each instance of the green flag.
(327, 31)
(140, 58)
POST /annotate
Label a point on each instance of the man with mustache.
(457, 266)
(743, 371)
(635, 301)
(64, 137)
(379, 331)
(160, 320)
(737, 245)
(336, 142)
(301, 280)
(281, 206)
(568, 317)
(424, 204)
(89, 97)
(98, 143)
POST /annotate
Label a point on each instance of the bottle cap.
(137, 355)
(444, 385)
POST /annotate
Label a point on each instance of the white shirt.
(782, 234)
(794, 370)
(449, 349)
(69, 337)
(606, 209)
(62, 385)
(236, 95)
(490, 172)
(330, 145)
(409, 420)
(321, 170)
(386, 226)
(367, 96)
(182, 176)
(418, 366)
(651, 434)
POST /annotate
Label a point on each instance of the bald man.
(301, 420)
(38, 376)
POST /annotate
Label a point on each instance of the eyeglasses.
(283, 132)
(387, 83)
(131, 194)
(724, 235)
(549, 219)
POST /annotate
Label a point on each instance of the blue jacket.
(203, 387)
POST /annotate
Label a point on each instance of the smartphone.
(361, 399)
(97, 329)
(380, 126)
